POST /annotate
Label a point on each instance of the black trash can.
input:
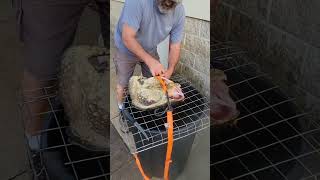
(152, 150)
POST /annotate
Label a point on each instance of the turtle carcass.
(84, 92)
(147, 93)
(223, 108)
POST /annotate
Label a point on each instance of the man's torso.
(153, 29)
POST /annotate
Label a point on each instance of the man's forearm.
(174, 54)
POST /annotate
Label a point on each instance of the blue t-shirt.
(151, 25)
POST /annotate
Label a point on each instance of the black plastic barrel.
(151, 154)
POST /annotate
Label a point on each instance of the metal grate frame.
(251, 149)
(72, 162)
(190, 116)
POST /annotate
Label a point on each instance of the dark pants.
(48, 27)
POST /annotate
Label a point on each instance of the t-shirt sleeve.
(176, 33)
(132, 13)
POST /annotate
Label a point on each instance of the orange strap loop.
(145, 177)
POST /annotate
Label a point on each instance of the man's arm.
(130, 41)
(176, 36)
(174, 54)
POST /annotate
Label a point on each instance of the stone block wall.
(194, 61)
(282, 36)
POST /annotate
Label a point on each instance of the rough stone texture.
(287, 55)
(195, 54)
(202, 64)
(252, 34)
(205, 30)
(285, 42)
(220, 25)
(311, 72)
(200, 80)
(298, 17)
(197, 45)
(190, 26)
(254, 8)
(188, 57)
(85, 96)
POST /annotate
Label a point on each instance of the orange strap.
(163, 84)
(145, 177)
(169, 146)
(170, 135)
(170, 141)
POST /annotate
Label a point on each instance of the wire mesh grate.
(190, 116)
(58, 158)
(273, 138)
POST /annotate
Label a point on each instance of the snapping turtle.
(84, 93)
(147, 93)
(223, 108)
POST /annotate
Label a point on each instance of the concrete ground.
(122, 163)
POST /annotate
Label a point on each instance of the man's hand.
(130, 41)
(174, 54)
(168, 73)
(155, 67)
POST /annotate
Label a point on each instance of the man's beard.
(166, 6)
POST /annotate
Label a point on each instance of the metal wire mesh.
(273, 137)
(57, 157)
(190, 116)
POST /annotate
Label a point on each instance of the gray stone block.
(254, 8)
(205, 30)
(300, 18)
(183, 40)
(310, 78)
(284, 58)
(197, 45)
(178, 67)
(202, 64)
(250, 33)
(187, 57)
(199, 80)
(192, 26)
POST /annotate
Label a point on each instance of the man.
(143, 24)
(47, 28)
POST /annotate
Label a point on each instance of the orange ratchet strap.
(170, 132)
(170, 138)
(145, 177)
